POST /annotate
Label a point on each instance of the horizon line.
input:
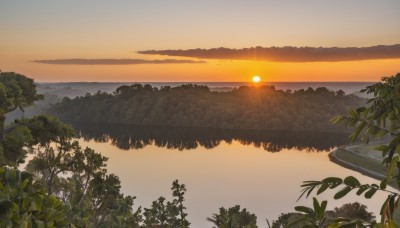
(250, 82)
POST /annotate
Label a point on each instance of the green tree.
(16, 91)
(355, 211)
(380, 118)
(168, 213)
(178, 191)
(71, 185)
(284, 219)
(233, 217)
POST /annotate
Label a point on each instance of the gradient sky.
(91, 29)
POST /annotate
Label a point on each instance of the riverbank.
(363, 159)
(364, 164)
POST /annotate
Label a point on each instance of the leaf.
(342, 192)
(357, 132)
(305, 210)
(384, 184)
(336, 119)
(362, 189)
(300, 222)
(5, 206)
(40, 224)
(383, 211)
(391, 205)
(332, 181)
(351, 181)
(316, 206)
(323, 206)
(370, 193)
(392, 166)
(322, 188)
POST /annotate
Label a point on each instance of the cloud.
(288, 54)
(113, 61)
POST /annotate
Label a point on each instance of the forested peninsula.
(247, 107)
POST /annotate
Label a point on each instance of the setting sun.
(256, 79)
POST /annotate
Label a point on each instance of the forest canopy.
(262, 108)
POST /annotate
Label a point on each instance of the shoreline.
(346, 164)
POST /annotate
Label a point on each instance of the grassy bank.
(361, 163)
(366, 160)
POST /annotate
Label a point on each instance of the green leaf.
(384, 184)
(305, 210)
(362, 189)
(357, 132)
(332, 181)
(370, 193)
(322, 188)
(324, 204)
(40, 224)
(391, 205)
(351, 181)
(5, 206)
(342, 192)
(392, 166)
(316, 206)
(336, 119)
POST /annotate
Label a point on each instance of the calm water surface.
(231, 169)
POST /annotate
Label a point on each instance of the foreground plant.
(234, 217)
(23, 204)
(380, 118)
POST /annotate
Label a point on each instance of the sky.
(99, 40)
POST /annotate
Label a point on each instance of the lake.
(261, 171)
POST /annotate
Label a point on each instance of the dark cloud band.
(113, 61)
(289, 54)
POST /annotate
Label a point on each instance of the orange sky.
(104, 29)
(214, 70)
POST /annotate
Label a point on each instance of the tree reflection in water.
(185, 138)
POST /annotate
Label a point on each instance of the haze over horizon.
(179, 41)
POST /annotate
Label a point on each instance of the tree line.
(262, 108)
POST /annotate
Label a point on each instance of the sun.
(256, 79)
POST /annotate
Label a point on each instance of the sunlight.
(256, 79)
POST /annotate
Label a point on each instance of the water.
(261, 171)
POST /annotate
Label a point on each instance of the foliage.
(351, 211)
(16, 91)
(13, 145)
(77, 176)
(312, 217)
(71, 185)
(380, 118)
(349, 184)
(233, 217)
(284, 219)
(168, 214)
(192, 105)
(308, 217)
(22, 204)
